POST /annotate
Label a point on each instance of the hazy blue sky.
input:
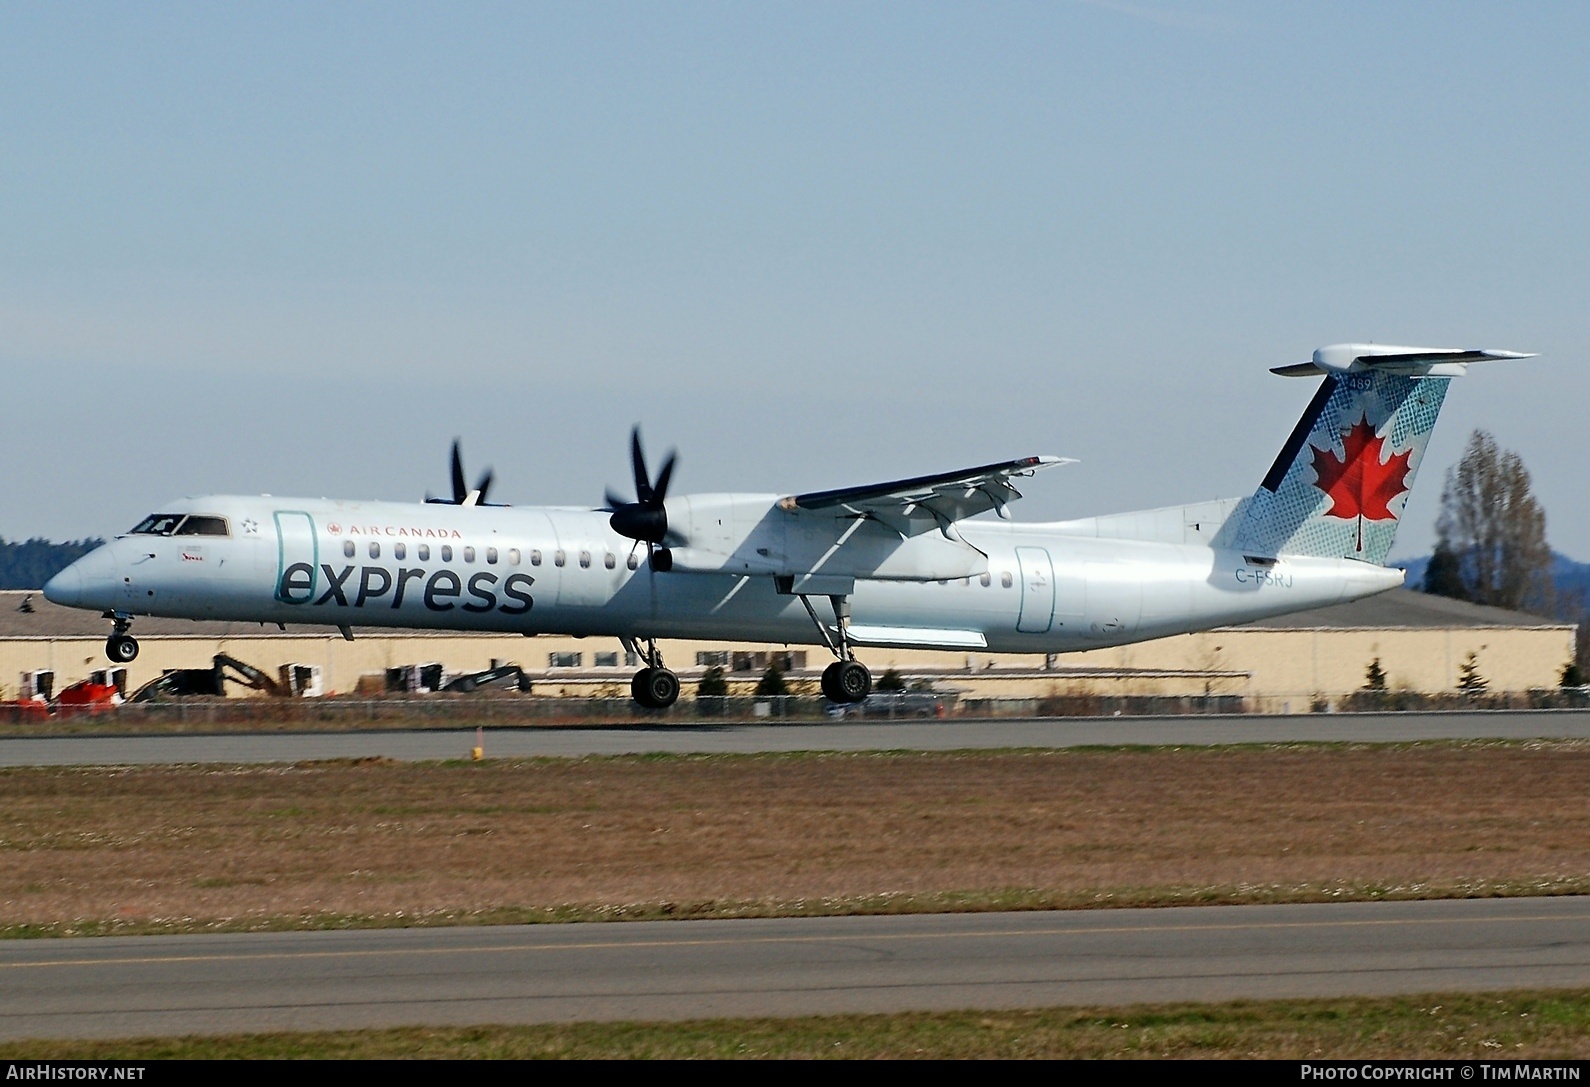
(298, 248)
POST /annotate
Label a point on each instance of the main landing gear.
(654, 686)
(846, 680)
(121, 647)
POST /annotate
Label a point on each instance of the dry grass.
(180, 848)
(1500, 1027)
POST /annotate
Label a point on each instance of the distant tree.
(771, 685)
(1444, 575)
(28, 565)
(1374, 676)
(891, 681)
(1492, 523)
(712, 684)
(1469, 678)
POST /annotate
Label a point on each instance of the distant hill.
(1572, 578)
(28, 565)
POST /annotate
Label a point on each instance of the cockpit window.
(158, 524)
(177, 524)
(196, 524)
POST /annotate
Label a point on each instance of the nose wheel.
(121, 647)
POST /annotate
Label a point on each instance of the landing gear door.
(1037, 590)
(297, 557)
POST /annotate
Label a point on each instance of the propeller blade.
(614, 503)
(660, 489)
(460, 490)
(483, 486)
(637, 460)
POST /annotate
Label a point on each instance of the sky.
(298, 248)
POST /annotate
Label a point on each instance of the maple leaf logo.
(1359, 484)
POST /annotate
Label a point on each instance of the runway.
(109, 987)
(1051, 732)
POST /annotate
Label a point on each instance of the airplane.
(905, 564)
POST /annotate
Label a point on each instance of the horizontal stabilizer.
(1359, 358)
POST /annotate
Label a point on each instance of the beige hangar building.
(1282, 664)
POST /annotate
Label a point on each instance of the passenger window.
(400, 551)
(557, 557)
(469, 554)
(491, 555)
(1004, 579)
(633, 561)
(585, 560)
(375, 550)
(447, 552)
(609, 560)
(513, 556)
(348, 550)
(425, 552)
(986, 580)
(198, 525)
(535, 557)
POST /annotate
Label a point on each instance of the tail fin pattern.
(1339, 486)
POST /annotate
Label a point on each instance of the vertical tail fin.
(1339, 485)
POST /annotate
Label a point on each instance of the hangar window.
(513, 556)
(400, 551)
(375, 550)
(348, 549)
(606, 660)
(585, 560)
(565, 660)
(158, 524)
(447, 552)
(609, 560)
(491, 555)
(469, 554)
(196, 524)
(424, 552)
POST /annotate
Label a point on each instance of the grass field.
(1494, 1027)
(201, 848)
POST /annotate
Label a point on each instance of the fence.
(453, 711)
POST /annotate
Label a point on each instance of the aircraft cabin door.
(296, 544)
(1037, 590)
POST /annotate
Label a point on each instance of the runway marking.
(598, 945)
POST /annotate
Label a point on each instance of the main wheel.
(662, 688)
(831, 683)
(121, 648)
(640, 688)
(853, 681)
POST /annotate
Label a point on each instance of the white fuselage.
(1042, 588)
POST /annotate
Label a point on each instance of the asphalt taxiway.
(135, 986)
(849, 735)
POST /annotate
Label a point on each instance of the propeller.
(645, 520)
(462, 495)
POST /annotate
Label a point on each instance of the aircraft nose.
(90, 582)
(65, 588)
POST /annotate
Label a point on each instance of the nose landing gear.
(121, 647)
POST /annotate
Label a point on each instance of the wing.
(915, 505)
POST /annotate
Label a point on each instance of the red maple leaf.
(1361, 485)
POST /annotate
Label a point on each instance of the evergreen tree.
(1374, 676)
(1469, 678)
(712, 684)
(772, 683)
(890, 682)
(1444, 575)
(28, 565)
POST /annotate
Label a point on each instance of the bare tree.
(1491, 522)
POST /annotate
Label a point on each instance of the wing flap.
(912, 505)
